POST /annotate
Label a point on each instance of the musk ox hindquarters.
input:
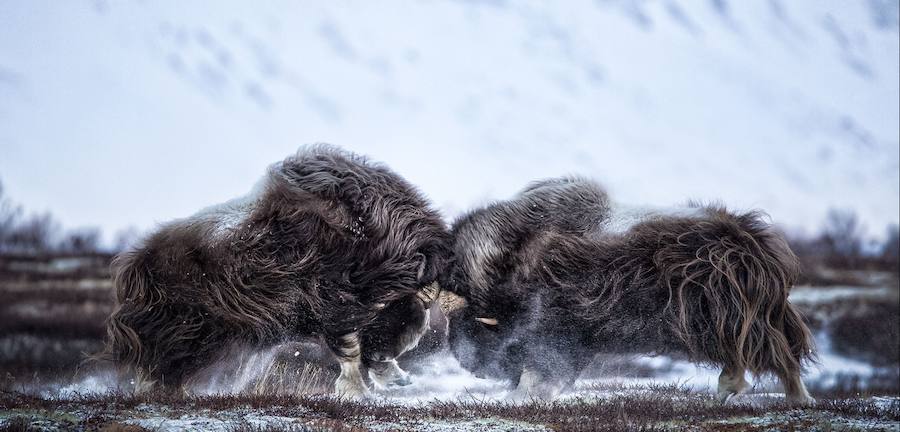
(330, 245)
(543, 297)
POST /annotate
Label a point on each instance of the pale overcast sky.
(132, 113)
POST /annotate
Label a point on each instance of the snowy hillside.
(120, 113)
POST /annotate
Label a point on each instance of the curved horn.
(451, 302)
(430, 293)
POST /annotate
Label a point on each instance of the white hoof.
(389, 374)
(351, 389)
(724, 397)
(533, 387)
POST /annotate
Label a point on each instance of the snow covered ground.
(137, 112)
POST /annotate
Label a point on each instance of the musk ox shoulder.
(551, 285)
(329, 245)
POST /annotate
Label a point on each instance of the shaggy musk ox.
(557, 274)
(329, 245)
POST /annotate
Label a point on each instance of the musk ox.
(329, 245)
(558, 274)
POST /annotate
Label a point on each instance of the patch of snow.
(827, 421)
(830, 365)
(213, 422)
(68, 264)
(440, 377)
(483, 425)
(228, 216)
(94, 384)
(885, 402)
(623, 216)
(816, 295)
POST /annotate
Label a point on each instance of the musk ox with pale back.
(558, 274)
(329, 245)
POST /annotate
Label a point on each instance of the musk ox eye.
(488, 321)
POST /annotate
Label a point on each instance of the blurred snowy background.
(129, 113)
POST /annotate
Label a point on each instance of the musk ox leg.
(388, 373)
(350, 382)
(794, 390)
(536, 385)
(548, 370)
(731, 382)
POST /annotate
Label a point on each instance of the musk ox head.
(398, 327)
(482, 342)
(493, 316)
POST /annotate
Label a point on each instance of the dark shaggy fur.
(333, 246)
(712, 284)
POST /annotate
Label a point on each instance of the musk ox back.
(329, 245)
(700, 281)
